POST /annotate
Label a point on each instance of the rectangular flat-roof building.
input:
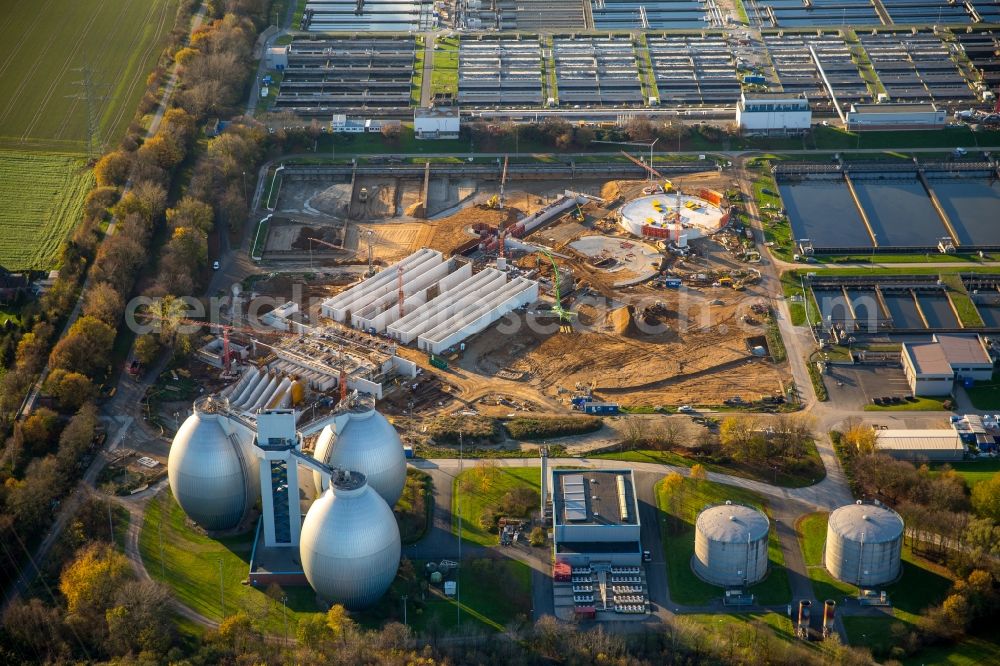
(895, 116)
(775, 113)
(931, 368)
(436, 122)
(921, 444)
(595, 517)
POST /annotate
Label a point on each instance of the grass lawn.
(260, 239)
(833, 138)
(444, 74)
(968, 315)
(985, 395)
(43, 197)
(791, 287)
(677, 528)
(923, 258)
(815, 473)
(922, 583)
(922, 404)
(873, 632)
(44, 107)
(471, 504)
(731, 624)
(973, 471)
(480, 601)
(417, 81)
(190, 567)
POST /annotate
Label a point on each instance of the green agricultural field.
(46, 49)
(43, 195)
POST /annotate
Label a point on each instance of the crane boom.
(647, 167)
(327, 243)
(503, 181)
(564, 315)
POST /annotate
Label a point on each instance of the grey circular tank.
(206, 469)
(864, 544)
(350, 544)
(730, 545)
(363, 440)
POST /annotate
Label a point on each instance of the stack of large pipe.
(802, 627)
(829, 608)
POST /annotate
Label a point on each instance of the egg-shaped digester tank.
(864, 544)
(730, 545)
(350, 545)
(362, 440)
(209, 472)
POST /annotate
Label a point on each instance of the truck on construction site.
(438, 362)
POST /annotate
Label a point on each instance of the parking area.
(851, 387)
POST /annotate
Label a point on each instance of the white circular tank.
(864, 544)
(670, 216)
(350, 545)
(204, 469)
(363, 440)
(730, 545)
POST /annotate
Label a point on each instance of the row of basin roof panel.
(983, 51)
(916, 67)
(692, 69)
(368, 16)
(338, 72)
(596, 70)
(797, 58)
(854, 13)
(505, 70)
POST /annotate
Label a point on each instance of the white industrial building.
(595, 518)
(921, 444)
(436, 122)
(931, 368)
(341, 124)
(895, 116)
(433, 301)
(773, 113)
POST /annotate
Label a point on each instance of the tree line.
(164, 195)
(946, 522)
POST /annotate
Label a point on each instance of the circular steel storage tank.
(350, 544)
(864, 543)
(364, 441)
(730, 545)
(204, 468)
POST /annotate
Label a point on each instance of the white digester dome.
(864, 544)
(350, 544)
(730, 545)
(363, 440)
(209, 473)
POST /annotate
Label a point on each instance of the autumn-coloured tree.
(92, 579)
(113, 169)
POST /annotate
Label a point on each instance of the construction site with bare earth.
(640, 313)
